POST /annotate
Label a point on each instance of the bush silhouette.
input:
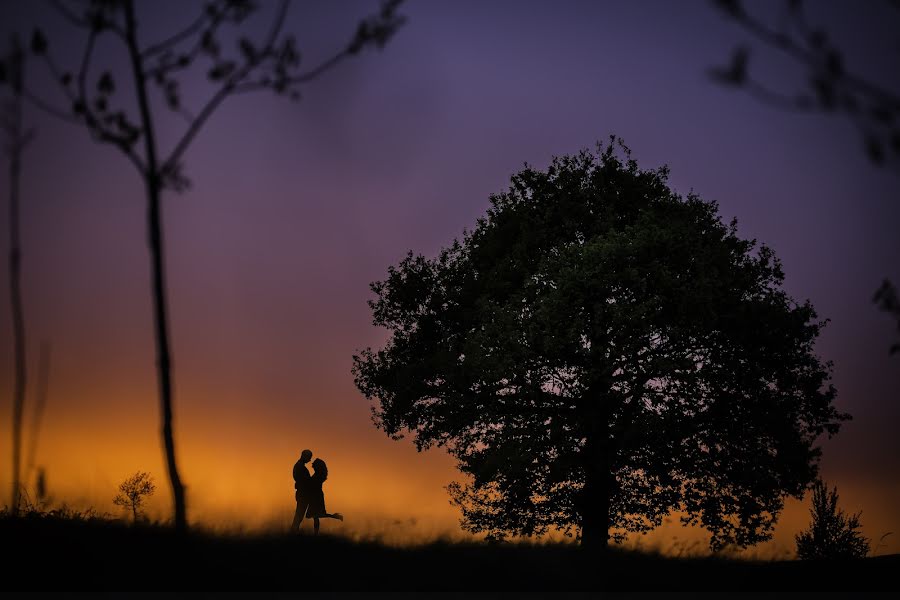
(832, 534)
(133, 491)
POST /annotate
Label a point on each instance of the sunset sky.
(296, 207)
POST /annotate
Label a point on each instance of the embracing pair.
(309, 495)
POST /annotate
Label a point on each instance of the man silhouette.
(301, 484)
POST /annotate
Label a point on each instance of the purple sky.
(295, 208)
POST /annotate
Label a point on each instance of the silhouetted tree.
(12, 71)
(831, 534)
(600, 352)
(829, 86)
(272, 63)
(134, 491)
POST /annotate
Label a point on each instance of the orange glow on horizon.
(237, 472)
(237, 468)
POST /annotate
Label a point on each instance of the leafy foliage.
(134, 491)
(602, 349)
(831, 534)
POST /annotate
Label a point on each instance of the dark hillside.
(67, 554)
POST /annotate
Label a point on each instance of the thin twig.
(227, 88)
(776, 99)
(252, 86)
(85, 63)
(316, 72)
(103, 135)
(175, 39)
(47, 108)
(81, 22)
(788, 46)
(70, 16)
(277, 24)
(58, 75)
(171, 68)
(196, 125)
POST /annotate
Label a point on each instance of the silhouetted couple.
(309, 495)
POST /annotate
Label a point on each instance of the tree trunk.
(592, 531)
(163, 355)
(597, 414)
(596, 494)
(16, 145)
(153, 184)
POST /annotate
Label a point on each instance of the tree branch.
(777, 99)
(175, 39)
(319, 70)
(788, 46)
(68, 15)
(85, 61)
(277, 24)
(47, 108)
(367, 33)
(83, 22)
(227, 88)
(252, 86)
(195, 126)
(87, 117)
(93, 123)
(103, 135)
(167, 68)
(871, 106)
(58, 76)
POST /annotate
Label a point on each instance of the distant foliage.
(829, 86)
(887, 300)
(134, 491)
(832, 534)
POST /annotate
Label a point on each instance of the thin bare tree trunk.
(153, 184)
(40, 401)
(163, 356)
(16, 145)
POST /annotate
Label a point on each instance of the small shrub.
(831, 534)
(133, 491)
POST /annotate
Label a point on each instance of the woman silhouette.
(316, 508)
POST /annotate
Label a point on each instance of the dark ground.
(52, 554)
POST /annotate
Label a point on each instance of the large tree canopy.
(600, 353)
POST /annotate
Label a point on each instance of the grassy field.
(64, 553)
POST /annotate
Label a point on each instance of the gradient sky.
(296, 208)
